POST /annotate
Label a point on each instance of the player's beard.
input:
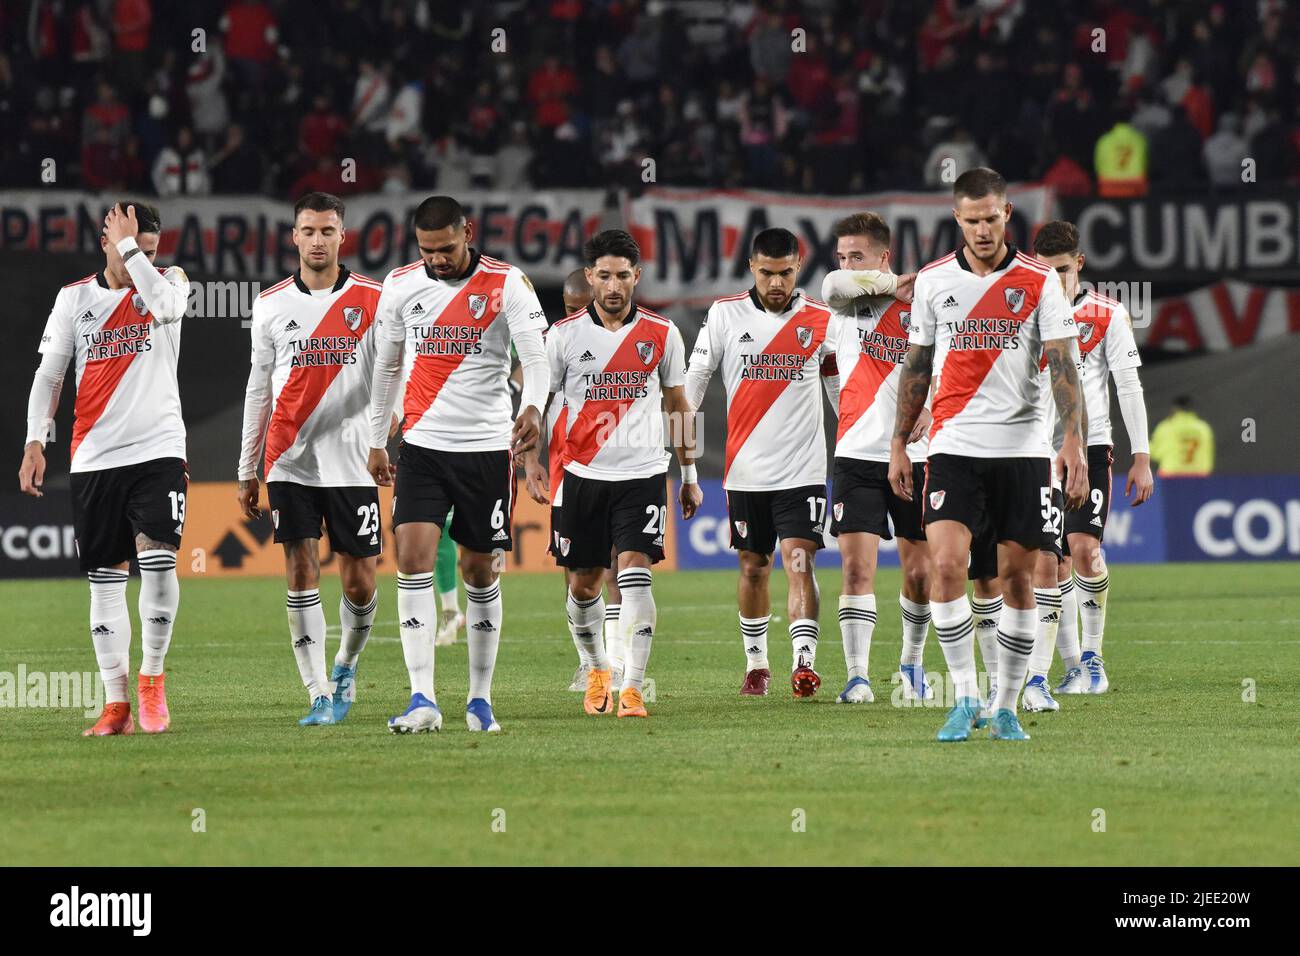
(324, 265)
(777, 302)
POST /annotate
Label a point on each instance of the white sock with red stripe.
(160, 597)
(753, 630)
(857, 621)
(956, 629)
(637, 620)
(803, 643)
(1067, 635)
(307, 635)
(483, 635)
(110, 631)
(585, 619)
(1048, 601)
(416, 612)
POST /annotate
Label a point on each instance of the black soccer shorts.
(350, 516)
(759, 518)
(479, 485)
(599, 516)
(1013, 495)
(1091, 518)
(111, 506)
(862, 500)
(984, 543)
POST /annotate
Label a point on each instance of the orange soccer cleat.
(630, 703)
(804, 681)
(597, 700)
(154, 717)
(116, 719)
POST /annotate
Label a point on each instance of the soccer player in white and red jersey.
(307, 404)
(775, 350)
(983, 316)
(458, 311)
(619, 367)
(873, 315)
(1107, 350)
(121, 327)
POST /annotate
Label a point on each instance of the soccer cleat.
(449, 624)
(421, 717)
(579, 682)
(804, 681)
(1005, 726)
(597, 699)
(915, 686)
(154, 716)
(960, 720)
(345, 690)
(1073, 682)
(756, 682)
(1095, 671)
(630, 703)
(1037, 697)
(321, 713)
(116, 719)
(478, 716)
(856, 691)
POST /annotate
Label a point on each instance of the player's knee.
(916, 583)
(585, 584)
(477, 569)
(1087, 559)
(949, 567)
(858, 576)
(754, 573)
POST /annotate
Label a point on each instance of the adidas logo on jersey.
(500, 535)
(303, 641)
(949, 303)
(586, 357)
(417, 309)
(412, 622)
(86, 316)
(292, 326)
(746, 337)
(101, 630)
(485, 626)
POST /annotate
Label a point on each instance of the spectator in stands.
(321, 130)
(1177, 149)
(771, 47)
(204, 78)
(514, 160)
(1183, 444)
(237, 166)
(1120, 160)
(251, 35)
(181, 169)
(1224, 153)
(953, 154)
(105, 126)
(549, 89)
(763, 125)
(370, 97)
(132, 20)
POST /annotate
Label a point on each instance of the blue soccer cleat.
(1037, 697)
(960, 720)
(345, 690)
(915, 686)
(856, 691)
(1094, 669)
(1005, 726)
(421, 717)
(322, 712)
(478, 716)
(1074, 682)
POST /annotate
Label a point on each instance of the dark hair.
(146, 216)
(1056, 238)
(863, 224)
(979, 182)
(319, 202)
(438, 212)
(576, 281)
(611, 242)
(775, 242)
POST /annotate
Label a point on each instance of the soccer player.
(773, 346)
(983, 316)
(458, 311)
(1108, 351)
(872, 313)
(307, 406)
(121, 326)
(619, 367)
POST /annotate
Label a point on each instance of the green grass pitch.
(1184, 769)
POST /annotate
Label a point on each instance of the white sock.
(584, 624)
(447, 600)
(803, 642)
(614, 644)
(985, 613)
(415, 615)
(857, 621)
(1092, 609)
(110, 631)
(916, 623)
(1015, 643)
(753, 631)
(1067, 635)
(483, 635)
(160, 596)
(637, 620)
(1048, 601)
(956, 630)
(307, 634)
(356, 623)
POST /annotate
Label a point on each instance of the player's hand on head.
(119, 224)
(31, 474)
(691, 497)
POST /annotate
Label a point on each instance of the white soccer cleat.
(479, 717)
(856, 691)
(1094, 669)
(421, 717)
(915, 686)
(579, 683)
(449, 627)
(1074, 682)
(1037, 697)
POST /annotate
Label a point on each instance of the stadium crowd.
(204, 96)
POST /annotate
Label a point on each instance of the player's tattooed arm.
(1072, 462)
(913, 389)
